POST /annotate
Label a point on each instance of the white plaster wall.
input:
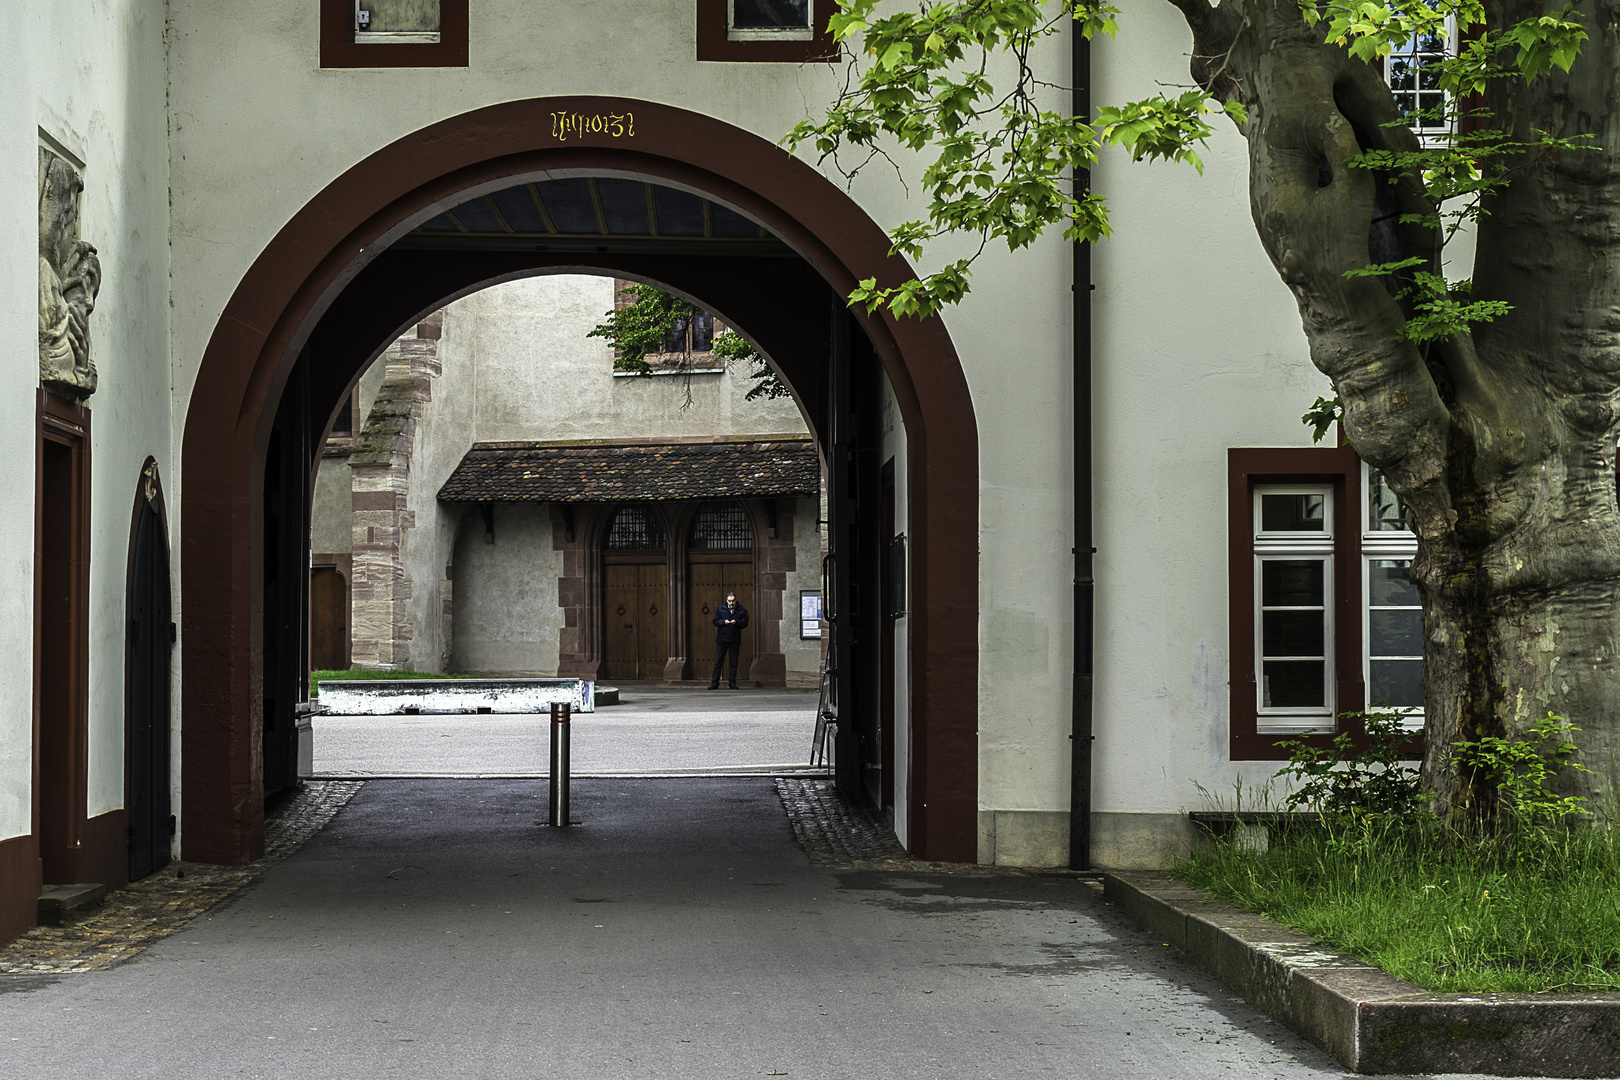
(1197, 348)
(506, 613)
(91, 76)
(542, 378)
(444, 432)
(802, 657)
(331, 513)
(332, 507)
(1014, 336)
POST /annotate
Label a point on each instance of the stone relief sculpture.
(69, 278)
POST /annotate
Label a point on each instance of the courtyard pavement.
(436, 928)
(657, 731)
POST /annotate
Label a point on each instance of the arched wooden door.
(635, 595)
(720, 560)
(328, 619)
(147, 719)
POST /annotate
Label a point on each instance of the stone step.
(62, 904)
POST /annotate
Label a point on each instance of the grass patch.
(356, 674)
(1515, 893)
(1528, 910)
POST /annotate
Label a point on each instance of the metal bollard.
(560, 711)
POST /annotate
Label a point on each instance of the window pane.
(676, 342)
(1292, 513)
(636, 528)
(1292, 684)
(1396, 683)
(770, 14)
(402, 16)
(1394, 633)
(1385, 513)
(1291, 583)
(702, 332)
(1293, 633)
(721, 526)
(343, 426)
(1389, 583)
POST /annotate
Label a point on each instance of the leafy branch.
(654, 320)
(646, 326)
(734, 348)
(1003, 166)
(1462, 160)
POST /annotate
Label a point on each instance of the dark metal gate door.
(148, 680)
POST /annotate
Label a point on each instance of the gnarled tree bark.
(1500, 442)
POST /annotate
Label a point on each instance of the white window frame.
(1293, 546)
(784, 33)
(1432, 135)
(1377, 545)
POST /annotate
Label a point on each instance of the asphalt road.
(435, 929)
(656, 731)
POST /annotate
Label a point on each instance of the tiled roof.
(535, 472)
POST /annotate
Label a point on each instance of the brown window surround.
(692, 360)
(1246, 469)
(713, 44)
(338, 49)
(340, 440)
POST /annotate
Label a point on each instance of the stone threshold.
(1368, 1019)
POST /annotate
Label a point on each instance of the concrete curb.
(1370, 1020)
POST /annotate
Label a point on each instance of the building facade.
(266, 227)
(507, 502)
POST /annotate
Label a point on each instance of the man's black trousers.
(721, 648)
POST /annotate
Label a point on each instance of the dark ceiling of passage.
(595, 214)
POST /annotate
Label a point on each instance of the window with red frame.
(1325, 619)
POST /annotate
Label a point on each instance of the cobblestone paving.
(835, 831)
(155, 907)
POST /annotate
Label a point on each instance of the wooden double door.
(636, 620)
(635, 615)
(708, 580)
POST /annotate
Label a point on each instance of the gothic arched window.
(721, 526)
(636, 528)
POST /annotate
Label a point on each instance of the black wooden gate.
(854, 601)
(150, 639)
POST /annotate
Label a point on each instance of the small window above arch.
(394, 33)
(721, 526)
(766, 31)
(636, 528)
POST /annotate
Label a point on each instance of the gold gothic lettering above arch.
(614, 125)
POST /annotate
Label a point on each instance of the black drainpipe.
(1080, 737)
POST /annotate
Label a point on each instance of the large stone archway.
(330, 244)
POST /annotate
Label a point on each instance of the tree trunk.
(1500, 442)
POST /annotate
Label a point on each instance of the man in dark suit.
(729, 620)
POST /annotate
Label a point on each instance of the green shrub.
(1339, 779)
